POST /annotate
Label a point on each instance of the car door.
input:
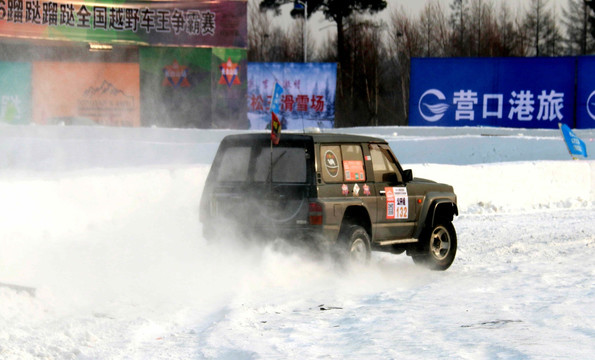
(345, 179)
(395, 207)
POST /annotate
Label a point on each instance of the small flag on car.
(275, 123)
(275, 129)
(575, 145)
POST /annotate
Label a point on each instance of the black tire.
(438, 247)
(355, 245)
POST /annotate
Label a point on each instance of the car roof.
(315, 137)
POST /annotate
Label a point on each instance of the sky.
(417, 5)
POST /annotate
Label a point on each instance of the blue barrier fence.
(503, 92)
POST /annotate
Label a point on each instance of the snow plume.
(88, 239)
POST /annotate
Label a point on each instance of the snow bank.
(66, 203)
(516, 186)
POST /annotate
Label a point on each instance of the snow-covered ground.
(99, 232)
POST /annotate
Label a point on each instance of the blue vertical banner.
(276, 102)
(504, 92)
(308, 98)
(585, 93)
(576, 146)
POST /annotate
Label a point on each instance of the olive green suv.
(343, 192)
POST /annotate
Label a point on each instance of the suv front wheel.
(438, 247)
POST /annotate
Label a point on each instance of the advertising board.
(503, 92)
(85, 93)
(308, 98)
(585, 93)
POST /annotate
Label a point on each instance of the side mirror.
(390, 178)
(407, 175)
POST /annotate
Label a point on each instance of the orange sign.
(354, 170)
(86, 93)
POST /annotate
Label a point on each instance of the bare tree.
(459, 18)
(404, 42)
(483, 28)
(434, 29)
(541, 27)
(509, 36)
(268, 42)
(259, 28)
(575, 17)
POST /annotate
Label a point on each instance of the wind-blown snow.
(99, 235)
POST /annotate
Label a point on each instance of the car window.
(248, 164)
(353, 163)
(289, 165)
(383, 163)
(234, 164)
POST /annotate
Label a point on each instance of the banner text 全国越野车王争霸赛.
(174, 23)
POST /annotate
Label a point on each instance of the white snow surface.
(102, 256)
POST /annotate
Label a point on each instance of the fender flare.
(436, 205)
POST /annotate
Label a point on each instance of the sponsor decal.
(331, 164)
(345, 189)
(366, 190)
(354, 170)
(175, 75)
(229, 73)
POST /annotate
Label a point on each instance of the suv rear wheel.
(439, 247)
(356, 242)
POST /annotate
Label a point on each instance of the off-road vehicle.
(347, 192)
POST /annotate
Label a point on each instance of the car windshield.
(253, 164)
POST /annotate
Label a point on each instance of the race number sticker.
(397, 203)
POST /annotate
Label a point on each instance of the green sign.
(175, 86)
(15, 92)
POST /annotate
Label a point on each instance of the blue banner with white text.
(308, 98)
(503, 92)
(585, 93)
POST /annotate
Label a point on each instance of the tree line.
(374, 55)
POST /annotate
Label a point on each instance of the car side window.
(353, 163)
(383, 164)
